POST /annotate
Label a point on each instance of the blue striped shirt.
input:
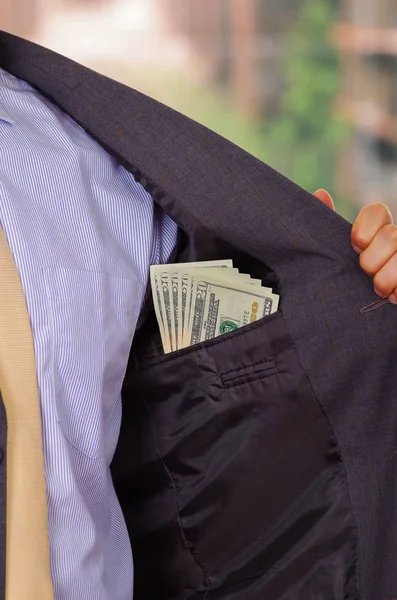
(83, 234)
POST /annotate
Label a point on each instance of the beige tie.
(28, 575)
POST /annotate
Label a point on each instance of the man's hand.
(374, 238)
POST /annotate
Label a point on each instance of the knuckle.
(359, 238)
(381, 285)
(389, 232)
(371, 220)
(366, 264)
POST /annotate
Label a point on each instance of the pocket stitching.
(271, 363)
(256, 375)
(154, 359)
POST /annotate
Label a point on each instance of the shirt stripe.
(83, 234)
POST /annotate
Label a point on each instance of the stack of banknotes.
(198, 301)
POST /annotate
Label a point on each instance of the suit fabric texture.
(260, 465)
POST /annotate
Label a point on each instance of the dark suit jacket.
(262, 464)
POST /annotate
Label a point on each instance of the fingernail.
(393, 299)
(379, 293)
(357, 249)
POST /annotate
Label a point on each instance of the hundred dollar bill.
(222, 306)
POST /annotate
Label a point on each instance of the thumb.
(325, 198)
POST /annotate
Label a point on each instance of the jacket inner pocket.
(229, 468)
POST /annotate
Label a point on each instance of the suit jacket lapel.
(209, 176)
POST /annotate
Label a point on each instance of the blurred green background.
(309, 86)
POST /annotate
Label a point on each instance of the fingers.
(325, 198)
(374, 237)
(385, 281)
(381, 249)
(368, 223)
